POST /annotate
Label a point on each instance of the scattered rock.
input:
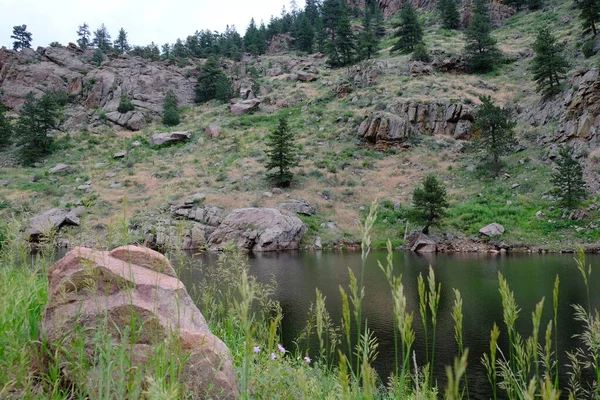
(136, 144)
(4, 183)
(330, 226)
(133, 282)
(42, 224)
(305, 76)
(60, 169)
(120, 154)
(299, 207)
(160, 139)
(493, 229)
(212, 131)
(259, 229)
(268, 194)
(276, 191)
(418, 68)
(245, 107)
(318, 243)
(421, 243)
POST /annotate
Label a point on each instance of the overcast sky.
(145, 21)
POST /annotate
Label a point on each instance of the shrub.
(125, 104)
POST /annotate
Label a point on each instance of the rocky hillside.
(368, 132)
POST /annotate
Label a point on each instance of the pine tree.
(282, 154)
(170, 109)
(6, 130)
(98, 57)
(549, 65)
(590, 14)
(449, 14)
(535, 4)
(480, 47)
(305, 34)
(122, 44)
(494, 132)
(569, 185)
(429, 202)
(37, 119)
(223, 89)
(22, 37)
(410, 32)
(367, 39)
(311, 10)
(378, 19)
(210, 73)
(344, 46)
(83, 34)
(320, 36)
(332, 11)
(102, 39)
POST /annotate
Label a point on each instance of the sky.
(145, 21)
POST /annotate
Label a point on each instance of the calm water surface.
(531, 277)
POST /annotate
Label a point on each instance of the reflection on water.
(531, 277)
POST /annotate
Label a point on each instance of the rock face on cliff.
(259, 229)
(410, 118)
(93, 90)
(499, 12)
(577, 113)
(98, 290)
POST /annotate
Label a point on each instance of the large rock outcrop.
(499, 12)
(576, 112)
(97, 290)
(259, 229)
(385, 127)
(409, 118)
(93, 89)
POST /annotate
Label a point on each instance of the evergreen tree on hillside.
(311, 10)
(98, 57)
(449, 13)
(102, 39)
(429, 202)
(84, 35)
(494, 132)
(170, 109)
(590, 15)
(305, 34)
(518, 4)
(367, 39)
(410, 32)
(282, 154)
(332, 13)
(549, 65)
(535, 4)
(480, 47)
(210, 73)
(223, 89)
(378, 19)
(255, 40)
(38, 118)
(122, 44)
(341, 51)
(6, 130)
(569, 185)
(22, 37)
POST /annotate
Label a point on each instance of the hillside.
(341, 173)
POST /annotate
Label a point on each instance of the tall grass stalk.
(510, 312)
(434, 302)
(555, 319)
(457, 317)
(489, 362)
